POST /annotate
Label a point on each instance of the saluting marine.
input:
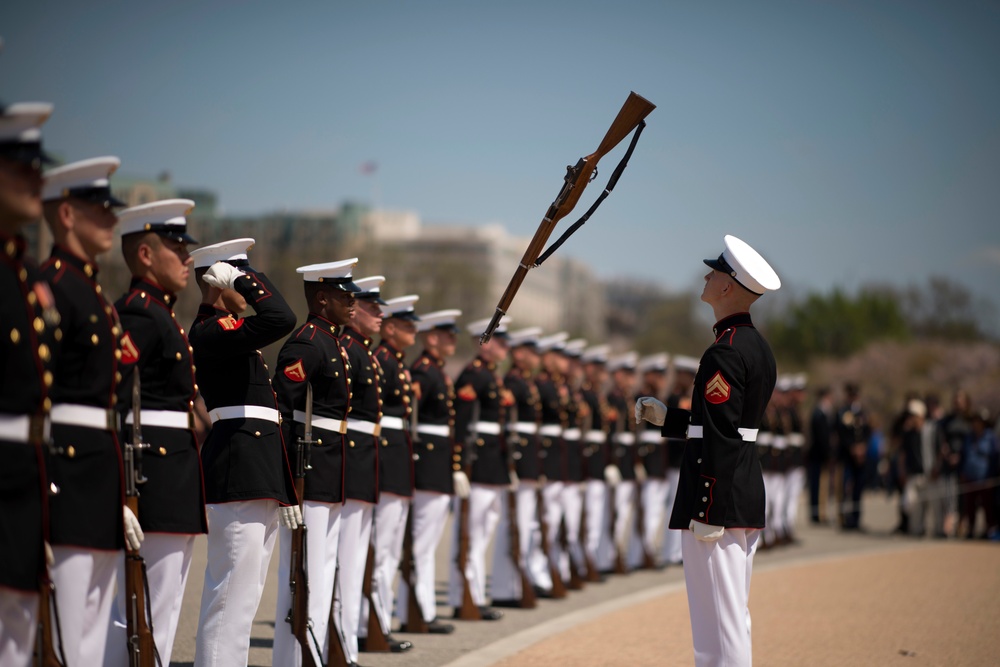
(86, 516)
(30, 325)
(312, 356)
(248, 481)
(434, 476)
(154, 345)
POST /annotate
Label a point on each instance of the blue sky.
(850, 142)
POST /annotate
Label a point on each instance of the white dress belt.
(325, 423)
(650, 436)
(163, 418)
(572, 434)
(368, 428)
(698, 431)
(17, 428)
(626, 438)
(489, 428)
(245, 412)
(528, 428)
(442, 430)
(395, 423)
(765, 438)
(796, 440)
(550, 430)
(780, 442)
(595, 436)
(86, 416)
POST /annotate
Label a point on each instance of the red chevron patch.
(717, 390)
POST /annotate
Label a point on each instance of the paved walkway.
(834, 599)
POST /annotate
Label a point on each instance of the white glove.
(461, 482)
(651, 410)
(612, 475)
(133, 531)
(290, 517)
(705, 532)
(514, 481)
(222, 275)
(640, 473)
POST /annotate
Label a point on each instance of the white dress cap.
(401, 308)
(626, 361)
(21, 122)
(746, 266)
(89, 180)
(553, 343)
(575, 347)
(234, 252)
(166, 217)
(523, 337)
(478, 328)
(654, 362)
(686, 364)
(800, 381)
(370, 288)
(440, 319)
(597, 354)
(337, 274)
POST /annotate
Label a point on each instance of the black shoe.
(490, 614)
(507, 604)
(436, 627)
(543, 593)
(398, 645)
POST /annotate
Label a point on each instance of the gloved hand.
(222, 275)
(133, 531)
(651, 410)
(705, 532)
(640, 473)
(514, 481)
(290, 517)
(461, 482)
(612, 475)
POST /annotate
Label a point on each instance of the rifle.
(142, 651)
(298, 579)
(528, 600)
(46, 653)
(414, 616)
(577, 177)
(376, 641)
(468, 611)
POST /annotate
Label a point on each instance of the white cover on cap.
(165, 212)
(654, 362)
(628, 360)
(370, 284)
(683, 363)
(92, 173)
(315, 273)
(478, 328)
(575, 347)
(553, 343)
(597, 354)
(526, 336)
(401, 304)
(21, 121)
(438, 318)
(225, 251)
(752, 270)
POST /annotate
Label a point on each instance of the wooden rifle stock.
(298, 582)
(46, 652)
(558, 588)
(528, 599)
(635, 109)
(376, 641)
(469, 611)
(414, 616)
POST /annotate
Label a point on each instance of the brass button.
(15, 336)
(71, 451)
(118, 354)
(163, 451)
(319, 441)
(47, 378)
(94, 339)
(701, 514)
(256, 433)
(39, 324)
(430, 446)
(351, 443)
(704, 499)
(178, 356)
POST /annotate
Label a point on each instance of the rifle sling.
(607, 190)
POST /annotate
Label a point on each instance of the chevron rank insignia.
(717, 390)
(467, 393)
(130, 353)
(230, 323)
(296, 372)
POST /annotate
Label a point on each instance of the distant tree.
(671, 324)
(945, 310)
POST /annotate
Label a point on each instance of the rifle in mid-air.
(629, 118)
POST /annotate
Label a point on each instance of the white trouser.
(168, 562)
(606, 545)
(717, 575)
(624, 500)
(795, 483)
(506, 583)
(671, 551)
(85, 590)
(654, 500)
(595, 503)
(18, 623)
(430, 514)
(388, 531)
(241, 538)
(552, 496)
(772, 501)
(484, 514)
(322, 540)
(352, 555)
(571, 500)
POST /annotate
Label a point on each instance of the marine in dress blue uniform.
(623, 457)
(720, 503)
(596, 457)
(155, 346)
(247, 474)
(27, 340)
(86, 516)
(685, 369)
(312, 355)
(651, 453)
